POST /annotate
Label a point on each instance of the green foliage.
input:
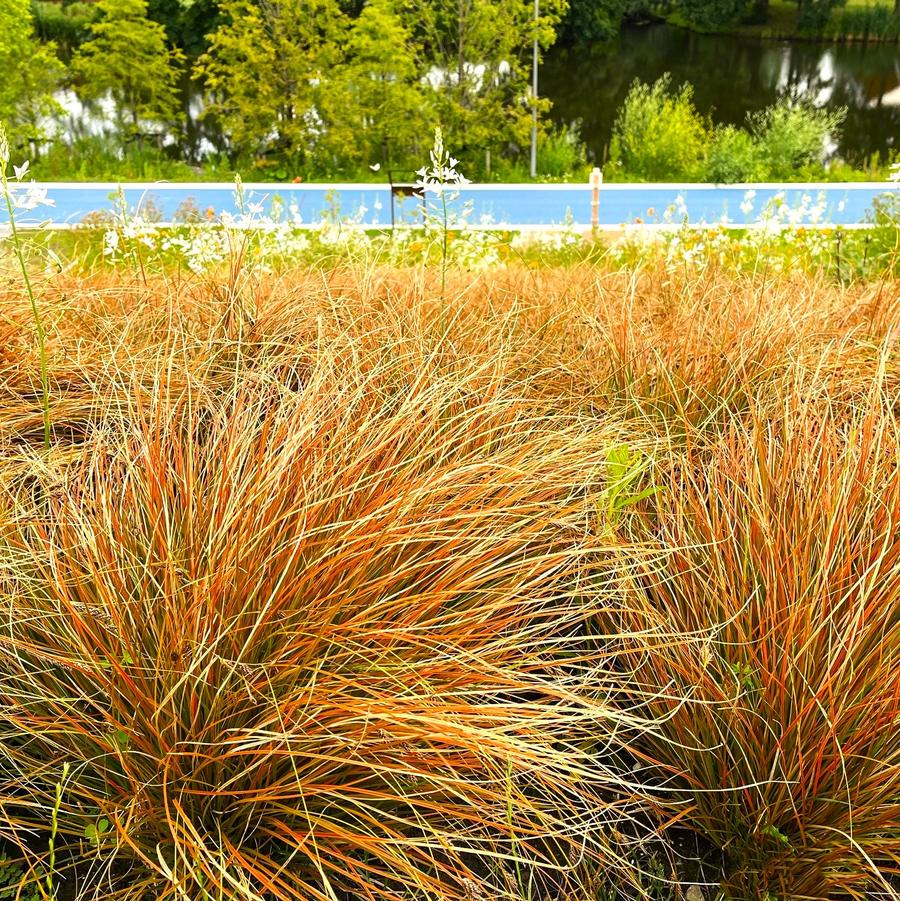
(593, 20)
(625, 468)
(12, 875)
(267, 70)
(479, 56)
(311, 87)
(102, 158)
(561, 154)
(187, 22)
(792, 136)
(67, 26)
(866, 22)
(127, 56)
(813, 15)
(882, 249)
(713, 13)
(29, 73)
(658, 134)
(733, 156)
(94, 832)
(382, 81)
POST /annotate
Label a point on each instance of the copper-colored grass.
(308, 637)
(772, 629)
(321, 591)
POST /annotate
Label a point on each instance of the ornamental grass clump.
(772, 629)
(310, 641)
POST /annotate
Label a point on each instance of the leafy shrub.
(561, 153)
(733, 156)
(792, 136)
(658, 134)
(866, 21)
(714, 14)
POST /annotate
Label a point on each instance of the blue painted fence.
(514, 206)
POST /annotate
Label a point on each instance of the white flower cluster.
(442, 173)
(781, 235)
(24, 196)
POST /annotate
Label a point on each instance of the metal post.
(534, 91)
(596, 181)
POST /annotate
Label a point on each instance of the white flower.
(110, 243)
(442, 173)
(375, 167)
(22, 170)
(32, 198)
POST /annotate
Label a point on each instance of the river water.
(732, 75)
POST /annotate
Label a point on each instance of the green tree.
(127, 56)
(479, 63)
(593, 20)
(384, 80)
(270, 70)
(713, 13)
(29, 73)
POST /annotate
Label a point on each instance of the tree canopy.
(30, 73)
(128, 57)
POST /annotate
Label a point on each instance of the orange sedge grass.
(659, 347)
(271, 494)
(310, 642)
(774, 621)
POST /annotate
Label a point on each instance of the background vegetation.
(332, 88)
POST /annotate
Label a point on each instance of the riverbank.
(732, 77)
(858, 22)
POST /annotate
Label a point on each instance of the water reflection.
(731, 76)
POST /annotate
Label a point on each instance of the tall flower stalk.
(440, 176)
(33, 198)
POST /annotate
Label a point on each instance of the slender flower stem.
(438, 177)
(40, 331)
(54, 829)
(444, 261)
